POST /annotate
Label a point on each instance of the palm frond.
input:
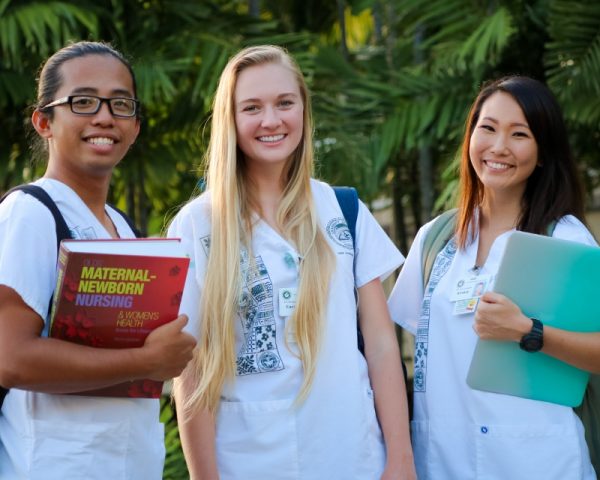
(41, 28)
(572, 59)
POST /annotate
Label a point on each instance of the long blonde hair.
(231, 230)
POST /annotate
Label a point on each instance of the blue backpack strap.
(347, 197)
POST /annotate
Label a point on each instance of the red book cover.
(113, 293)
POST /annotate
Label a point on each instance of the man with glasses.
(87, 118)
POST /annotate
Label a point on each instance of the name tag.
(463, 307)
(473, 286)
(467, 292)
(287, 301)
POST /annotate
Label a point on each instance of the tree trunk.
(253, 8)
(425, 161)
(377, 22)
(341, 9)
(414, 193)
(142, 203)
(399, 216)
(426, 182)
(130, 203)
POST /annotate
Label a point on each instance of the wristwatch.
(534, 340)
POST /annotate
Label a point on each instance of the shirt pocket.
(528, 452)
(257, 440)
(73, 450)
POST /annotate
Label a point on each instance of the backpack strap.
(62, 230)
(347, 197)
(551, 227)
(589, 413)
(438, 235)
(127, 218)
(589, 410)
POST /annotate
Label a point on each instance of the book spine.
(63, 259)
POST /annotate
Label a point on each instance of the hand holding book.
(169, 349)
(120, 294)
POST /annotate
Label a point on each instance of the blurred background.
(391, 83)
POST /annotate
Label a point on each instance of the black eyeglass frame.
(69, 101)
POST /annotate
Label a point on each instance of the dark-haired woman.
(517, 173)
(87, 114)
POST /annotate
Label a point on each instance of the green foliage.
(404, 88)
(175, 467)
(573, 58)
(41, 28)
(398, 98)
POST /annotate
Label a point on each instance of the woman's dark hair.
(554, 188)
(50, 79)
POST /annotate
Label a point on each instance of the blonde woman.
(278, 388)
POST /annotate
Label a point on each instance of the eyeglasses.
(90, 105)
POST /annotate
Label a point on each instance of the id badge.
(472, 286)
(464, 307)
(287, 301)
(467, 292)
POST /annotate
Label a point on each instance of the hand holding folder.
(556, 281)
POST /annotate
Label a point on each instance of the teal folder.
(557, 282)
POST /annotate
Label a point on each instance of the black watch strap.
(534, 340)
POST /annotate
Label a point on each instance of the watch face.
(534, 340)
(531, 344)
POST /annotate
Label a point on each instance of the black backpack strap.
(62, 230)
(129, 221)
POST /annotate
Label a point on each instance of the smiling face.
(88, 144)
(269, 114)
(502, 149)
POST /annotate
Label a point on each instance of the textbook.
(113, 293)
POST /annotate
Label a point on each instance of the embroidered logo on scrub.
(85, 233)
(337, 229)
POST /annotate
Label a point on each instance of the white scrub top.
(464, 434)
(48, 437)
(261, 433)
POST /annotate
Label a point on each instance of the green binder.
(558, 282)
